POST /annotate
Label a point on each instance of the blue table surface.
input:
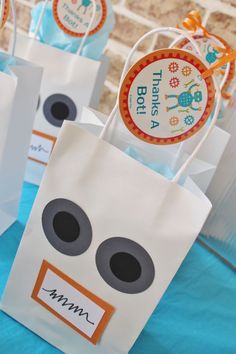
(197, 314)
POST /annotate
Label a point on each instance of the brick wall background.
(133, 19)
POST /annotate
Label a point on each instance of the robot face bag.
(106, 234)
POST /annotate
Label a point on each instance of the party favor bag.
(106, 234)
(70, 82)
(19, 85)
(134, 226)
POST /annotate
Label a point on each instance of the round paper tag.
(163, 99)
(4, 12)
(211, 55)
(74, 16)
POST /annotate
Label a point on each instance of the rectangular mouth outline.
(109, 310)
(47, 137)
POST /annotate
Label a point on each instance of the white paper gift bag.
(70, 82)
(104, 240)
(135, 229)
(19, 85)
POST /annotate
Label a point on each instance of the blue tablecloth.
(197, 314)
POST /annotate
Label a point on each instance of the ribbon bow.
(193, 23)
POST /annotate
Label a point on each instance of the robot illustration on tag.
(186, 99)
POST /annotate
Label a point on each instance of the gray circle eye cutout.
(67, 227)
(125, 265)
(58, 108)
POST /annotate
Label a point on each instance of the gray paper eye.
(58, 108)
(67, 227)
(125, 265)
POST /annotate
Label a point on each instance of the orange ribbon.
(220, 62)
(193, 22)
(226, 95)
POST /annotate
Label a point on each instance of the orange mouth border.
(109, 310)
(47, 137)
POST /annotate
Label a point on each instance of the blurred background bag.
(50, 33)
(19, 88)
(62, 96)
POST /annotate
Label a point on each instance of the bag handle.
(13, 11)
(110, 119)
(86, 33)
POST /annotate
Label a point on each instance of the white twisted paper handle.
(183, 168)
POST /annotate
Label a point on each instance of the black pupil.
(60, 110)
(125, 267)
(66, 226)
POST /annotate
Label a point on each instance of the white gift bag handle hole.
(184, 167)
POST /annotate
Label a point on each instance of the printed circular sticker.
(74, 16)
(163, 99)
(4, 12)
(211, 55)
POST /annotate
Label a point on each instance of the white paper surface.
(121, 198)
